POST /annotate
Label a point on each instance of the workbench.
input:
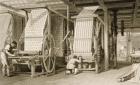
(31, 59)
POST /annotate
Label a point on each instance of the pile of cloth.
(133, 75)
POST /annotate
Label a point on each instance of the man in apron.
(7, 51)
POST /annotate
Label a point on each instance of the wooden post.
(115, 38)
(102, 37)
(67, 18)
(106, 28)
(68, 50)
(32, 68)
(128, 46)
(106, 39)
(49, 22)
(96, 45)
(110, 40)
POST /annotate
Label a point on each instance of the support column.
(115, 38)
(68, 16)
(68, 50)
(49, 22)
(128, 47)
(106, 49)
(102, 37)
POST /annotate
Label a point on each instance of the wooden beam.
(12, 10)
(101, 3)
(41, 5)
(55, 4)
(68, 16)
(129, 22)
(135, 12)
(106, 38)
(120, 13)
(49, 23)
(125, 19)
(121, 4)
(10, 7)
(128, 46)
(72, 6)
(54, 11)
(106, 43)
(51, 2)
(101, 20)
(94, 2)
(51, 9)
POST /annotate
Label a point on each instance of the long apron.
(4, 58)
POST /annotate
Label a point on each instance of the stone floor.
(84, 78)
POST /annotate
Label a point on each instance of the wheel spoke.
(49, 63)
(45, 58)
(49, 60)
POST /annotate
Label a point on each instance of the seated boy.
(72, 65)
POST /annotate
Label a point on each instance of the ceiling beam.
(60, 14)
(28, 6)
(127, 13)
(40, 2)
(72, 6)
(95, 2)
(7, 6)
(101, 3)
(115, 4)
(92, 2)
(41, 5)
(12, 10)
(55, 4)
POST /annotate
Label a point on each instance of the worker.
(72, 65)
(6, 52)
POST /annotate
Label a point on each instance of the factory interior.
(103, 35)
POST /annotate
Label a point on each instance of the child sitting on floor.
(72, 65)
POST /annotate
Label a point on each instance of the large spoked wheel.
(49, 64)
(49, 58)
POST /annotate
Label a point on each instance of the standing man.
(7, 51)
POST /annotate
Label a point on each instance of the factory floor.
(84, 78)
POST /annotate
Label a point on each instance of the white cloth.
(136, 69)
(7, 47)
